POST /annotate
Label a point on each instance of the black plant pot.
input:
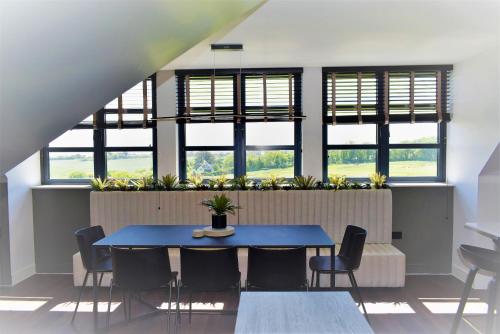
(219, 222)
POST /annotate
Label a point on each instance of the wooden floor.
(421, 307)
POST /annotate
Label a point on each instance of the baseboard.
(480, 282)
(427, 274)
(23, 273)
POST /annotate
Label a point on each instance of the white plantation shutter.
(351, 94)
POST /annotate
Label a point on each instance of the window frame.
(99, 137)
(383, 147)
(239, 147)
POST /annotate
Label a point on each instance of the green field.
(142, 166)
(135, 167)
(397, 168)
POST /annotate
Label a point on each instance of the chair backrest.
(482, 258)
(141, 269)
(209, 269)
(352, 246)
(85, 237)
(277, 269)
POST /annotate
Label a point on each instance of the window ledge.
(61, 186)
(419, 184)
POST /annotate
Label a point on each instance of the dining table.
(297, 312)
(245, 236)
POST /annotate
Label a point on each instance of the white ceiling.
(343, 33)
(61, 60)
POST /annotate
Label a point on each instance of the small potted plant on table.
(220, 205)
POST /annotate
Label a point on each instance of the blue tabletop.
(244, 236)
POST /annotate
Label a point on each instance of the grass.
(75, 168)
(397, 168)
(137, 166)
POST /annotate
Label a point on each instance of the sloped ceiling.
(355, 32)
(60, 61)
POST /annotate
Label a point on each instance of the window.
(413, 150)
(270, 149)
(239, 122)
(119, 141)
(209, 150)
(352, 150)
(385, 119)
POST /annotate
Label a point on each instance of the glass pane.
(352, 134)
(263, 164)
(210, 164)
(421, 133)
(270, 133)
(129, 137)
(71, 165)
(132, 165)
(209, 134)
(74, 138)
(413, 162)
(352, 163)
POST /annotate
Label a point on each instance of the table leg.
(332, 273)
(94, 296)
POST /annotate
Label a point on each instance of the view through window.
(241, 123)
(385, 119)
(119, 141)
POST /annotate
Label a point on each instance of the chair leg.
(190, 305)
(129, 308)
(463, 300)
(492, 296)
(124, 303)
(177, 306)
(80, 296)
(100, 280)
(312, 277)
(169, 304)
(355, 286)
(108, 313)
(317, 279)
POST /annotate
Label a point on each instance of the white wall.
(88, 53)
(312, 126)
(166, 105)
(473, 134)
(20, 180)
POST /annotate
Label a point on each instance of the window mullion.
(99, 143)
(239, 129)
(382, 128)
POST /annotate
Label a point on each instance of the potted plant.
(378, 181)
(304, 182)
(169, 182)
(99, 184)
(220, 205)
(273, 182)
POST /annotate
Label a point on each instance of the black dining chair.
(99, 264)
(478, 258)
(346, 262)
(277, 269)
(207, 270)
(138, 270)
